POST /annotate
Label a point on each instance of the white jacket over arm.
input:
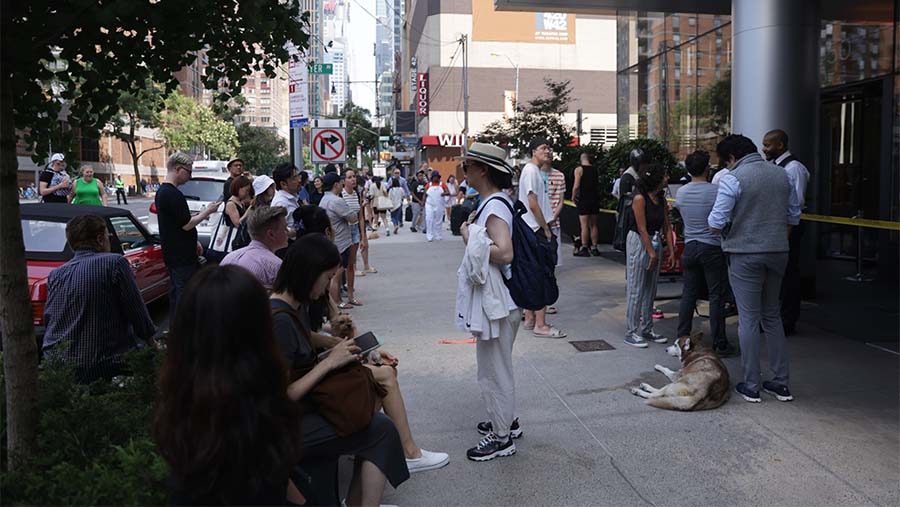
(481, 292)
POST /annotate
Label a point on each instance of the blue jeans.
(397, 216)
(178, 279)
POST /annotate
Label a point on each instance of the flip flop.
(551, 310)
(554, 333)
(354, 302)
(345, 306)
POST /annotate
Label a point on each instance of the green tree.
(542, 118)
(556, 101)
(228, 109)
(82, 55)
(359, 127)
(261, 148)
(187, 125)
(139, 107)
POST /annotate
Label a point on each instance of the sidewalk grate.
(592, 345)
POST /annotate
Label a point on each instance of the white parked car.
(199, 192)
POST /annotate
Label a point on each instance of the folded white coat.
(481, 292)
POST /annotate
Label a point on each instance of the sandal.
(345, 306)
(554, 333)
(354, 302)
(551, 310)
(528, 327)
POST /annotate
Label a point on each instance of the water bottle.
(655, 240)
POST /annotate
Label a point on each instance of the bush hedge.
(94, 446)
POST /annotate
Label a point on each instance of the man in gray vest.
(760, 206)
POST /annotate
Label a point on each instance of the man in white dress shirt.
(775, 148)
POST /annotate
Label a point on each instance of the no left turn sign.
(328, 145)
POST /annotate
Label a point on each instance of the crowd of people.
(256, 405)
(56, 185)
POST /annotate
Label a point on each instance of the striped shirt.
(95, 313)
(556, 189)
(352, 200)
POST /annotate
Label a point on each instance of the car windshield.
(44, 236)
(202, 190)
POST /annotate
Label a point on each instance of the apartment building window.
(692, 21)
(265, 91)
(90, 150)
(265, 120)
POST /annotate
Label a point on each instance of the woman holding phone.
(308, 267)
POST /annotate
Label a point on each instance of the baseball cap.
(261, 184)
(537, 141)
(329, 180)
(435, 174)
(57, 156)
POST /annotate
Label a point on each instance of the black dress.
(588, 196)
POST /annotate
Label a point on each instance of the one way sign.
(328, 145)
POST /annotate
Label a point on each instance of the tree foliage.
(139, 107)
(261, 148)
(359, 127)
(187, 125)
(81, 55)
(556, 101)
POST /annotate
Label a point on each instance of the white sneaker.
(428, 461)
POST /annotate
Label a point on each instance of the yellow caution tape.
(855, 222)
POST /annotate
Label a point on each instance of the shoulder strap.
(290, 312)
(496, 197)
(788, 160)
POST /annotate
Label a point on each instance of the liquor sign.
(422, 94)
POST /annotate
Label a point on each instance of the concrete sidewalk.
(588, 441)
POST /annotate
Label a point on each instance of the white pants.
(433, 217)
(495, 374)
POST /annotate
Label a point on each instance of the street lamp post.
(515, 66)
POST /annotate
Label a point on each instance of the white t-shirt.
(531, 182)
(491, 206)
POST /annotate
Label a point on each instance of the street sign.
(321, 68)
(328, 145)
(298, 94)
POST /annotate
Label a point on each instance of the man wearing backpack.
(533, 194)
(484, 304)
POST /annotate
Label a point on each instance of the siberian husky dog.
(702, 383)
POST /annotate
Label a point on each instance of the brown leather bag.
(346, 397)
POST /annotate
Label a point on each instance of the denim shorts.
(354, 233)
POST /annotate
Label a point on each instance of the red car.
(44, 232)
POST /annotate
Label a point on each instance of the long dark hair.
(306, 259)
(223, 421)
(651, 177)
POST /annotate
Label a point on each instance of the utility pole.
(465, 77)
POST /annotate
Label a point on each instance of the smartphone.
(366, 342)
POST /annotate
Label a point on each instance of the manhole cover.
(592, 345)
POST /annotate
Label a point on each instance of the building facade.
(507, 52)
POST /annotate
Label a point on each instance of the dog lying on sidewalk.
(702, 383)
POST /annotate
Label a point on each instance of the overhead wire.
(426, 36)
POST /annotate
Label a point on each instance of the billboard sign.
(298, 91)
(507, 26)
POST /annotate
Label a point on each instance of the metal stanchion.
(859, 277)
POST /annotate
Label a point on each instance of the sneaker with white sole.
(636, 341)
(651, 336)
(746, 393)
(779, 391)
(486, 427)
(428, 461)
(490, 447)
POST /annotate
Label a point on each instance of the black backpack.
(532, 284)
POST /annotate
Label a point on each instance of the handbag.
(220, 241)
(624, 219)
(241, 236)
(345, 397)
